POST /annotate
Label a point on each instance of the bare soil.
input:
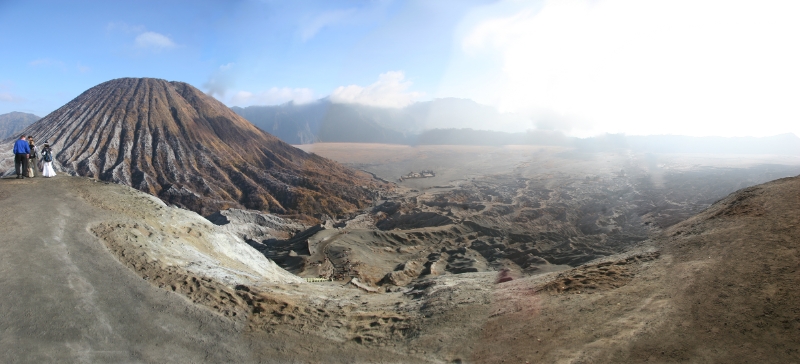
(70, 300)
(528, 209)
(723, 289)
(614, 258)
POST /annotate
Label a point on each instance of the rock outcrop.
(252, 225)
(173, 141)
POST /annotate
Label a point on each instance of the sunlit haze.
(724, 68)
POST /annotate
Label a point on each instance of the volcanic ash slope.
(720, 287)
(171, 140)
(157, 240)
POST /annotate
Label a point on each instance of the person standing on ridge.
(47, 161)
(32, 167)
(22, 151)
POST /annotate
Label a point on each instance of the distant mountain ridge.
(326, 121)
(12, 124)
(464, 122)
(173, 141)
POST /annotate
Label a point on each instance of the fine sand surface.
(450, 162)
(721, 287)
(67, 299)
(460, 162)
(72, 297)
(98, 272)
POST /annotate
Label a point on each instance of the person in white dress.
(47, 161)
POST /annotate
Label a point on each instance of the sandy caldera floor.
(718, 287)
(79, 287)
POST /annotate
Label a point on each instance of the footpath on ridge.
(67, 299)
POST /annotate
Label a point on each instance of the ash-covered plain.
(513, 254)
(527, 209)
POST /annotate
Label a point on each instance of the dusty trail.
(718, 287)
(67, 299)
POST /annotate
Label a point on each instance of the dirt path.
(67, 299)
(719, 287)
(321, 251)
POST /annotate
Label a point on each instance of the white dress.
(47, 167)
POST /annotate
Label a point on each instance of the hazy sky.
(693, 67)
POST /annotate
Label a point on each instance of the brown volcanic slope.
(720, 287)
(173, 141)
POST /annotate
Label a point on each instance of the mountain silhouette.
(12, 124)
(324, 121)
(173, 141)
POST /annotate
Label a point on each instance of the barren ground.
(75, 293)
(603, 268)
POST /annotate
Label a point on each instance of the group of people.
(26, 153)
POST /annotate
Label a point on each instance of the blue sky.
(55, 50)
(699, 67)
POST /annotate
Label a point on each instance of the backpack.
(33, 152)
(46, 155)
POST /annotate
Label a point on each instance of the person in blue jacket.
(22, 151)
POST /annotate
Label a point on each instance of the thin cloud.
(52, 63)
(144, 41)
(82, 68)
(153, 41)
(273, 96)
(369, 13)
(46, 62)
(9, 97)
(310, 29)
(124, 28)
(389, 91)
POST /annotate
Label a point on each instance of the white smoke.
(220, 81)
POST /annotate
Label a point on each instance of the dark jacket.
(22, 147)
